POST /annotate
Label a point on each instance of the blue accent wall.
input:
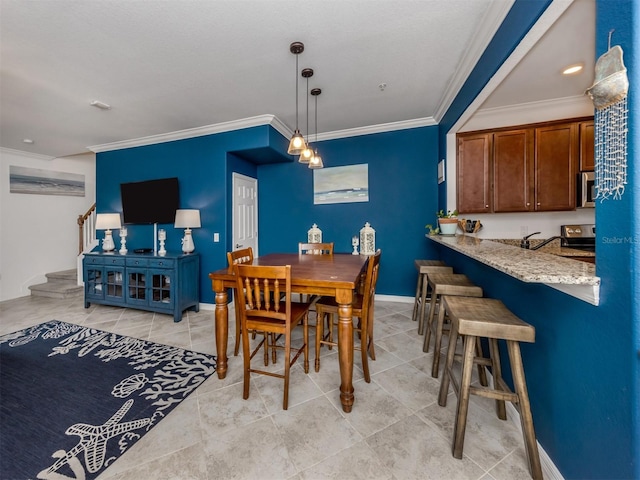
(583, 372)
(402, 169)
(203, 166)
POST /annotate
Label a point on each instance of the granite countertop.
(553, 247)
(532, 266)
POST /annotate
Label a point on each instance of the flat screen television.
(151, 201)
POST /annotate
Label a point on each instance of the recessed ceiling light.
(572, 69)
(100, 105)
(27, 140)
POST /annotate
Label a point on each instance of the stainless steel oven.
(579, 237)
(586, 189)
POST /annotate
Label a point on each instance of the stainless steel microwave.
(586, 190)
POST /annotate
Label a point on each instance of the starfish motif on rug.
(94, 438)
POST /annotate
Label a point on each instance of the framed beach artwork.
(45, 182)
(346, 184)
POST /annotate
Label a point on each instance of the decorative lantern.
(367, 240)
(314, 235)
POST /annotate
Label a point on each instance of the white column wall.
(39, 233)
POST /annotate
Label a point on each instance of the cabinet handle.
(528, 204)
(486, 206)
(538, 204)
(160, 263)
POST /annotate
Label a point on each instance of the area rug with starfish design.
(74, 398)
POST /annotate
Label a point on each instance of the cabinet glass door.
(93, 282)
(161, 289)
(137, 287)
(114, 283)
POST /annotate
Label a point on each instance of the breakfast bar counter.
(532, 266)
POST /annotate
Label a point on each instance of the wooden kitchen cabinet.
(556, 155)
(474, 186)
(587, 157)
(521, 169)
(513, 171)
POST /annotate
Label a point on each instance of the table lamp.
(107, 221)
(187, 219)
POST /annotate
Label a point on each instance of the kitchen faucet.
(524, 243)
(540, 245)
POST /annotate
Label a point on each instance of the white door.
(245, 213)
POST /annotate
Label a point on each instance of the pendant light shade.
(297, 143)
(316, 159)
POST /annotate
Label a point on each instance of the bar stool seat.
(474, 318)
(425, 268)
(445, 284)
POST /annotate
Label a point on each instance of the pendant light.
(316, 159)
(307, 153)
(297, 144)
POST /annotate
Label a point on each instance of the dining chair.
(237, 257)
(362, 306)
(265, 305)
(315, 248)
(325, 248)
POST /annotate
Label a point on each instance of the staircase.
(59, 285)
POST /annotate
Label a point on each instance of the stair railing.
(86, 237)
(87, 230)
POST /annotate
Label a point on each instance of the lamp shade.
(108, 221)
(187, 218)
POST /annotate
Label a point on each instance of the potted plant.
(448, 222)
(432, 231)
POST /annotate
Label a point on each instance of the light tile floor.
(396, 429)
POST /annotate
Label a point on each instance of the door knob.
(238, 245)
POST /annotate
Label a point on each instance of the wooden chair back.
(315, 248)
(369, 288)
(264, 292)
(244, 255)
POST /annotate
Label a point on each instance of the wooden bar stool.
(425, 267)
(474, 318)
(446, 284)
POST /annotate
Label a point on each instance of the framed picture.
(346, 184)
(45, 182)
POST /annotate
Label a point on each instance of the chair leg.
(423, 301)
(246, 356)
(427, 334)
(446, 374)
(526, 419)
(415, 317)
(287, 369)
(370, 346)
(364, 350)
(496, 369)
(482, 372)
(238, 334)
(438, 343)
(463, 397)
(319, 336)
(306, 342)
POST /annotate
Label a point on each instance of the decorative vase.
(367, 240)
(314, 234)
(448, 226)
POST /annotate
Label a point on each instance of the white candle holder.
(355, 242)
(162, 237)
(123, 241)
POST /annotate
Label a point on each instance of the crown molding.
(496, 12)
(271, 120)
(380, 128)
(530, 112)
(22, 153)
(196, 132)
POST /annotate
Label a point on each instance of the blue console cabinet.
(167, 284)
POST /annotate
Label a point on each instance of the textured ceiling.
(166, 66)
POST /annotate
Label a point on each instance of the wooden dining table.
(332, 275)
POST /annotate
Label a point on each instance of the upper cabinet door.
(556, 160)
(587, 163)
(473, 187)
(513, 171)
